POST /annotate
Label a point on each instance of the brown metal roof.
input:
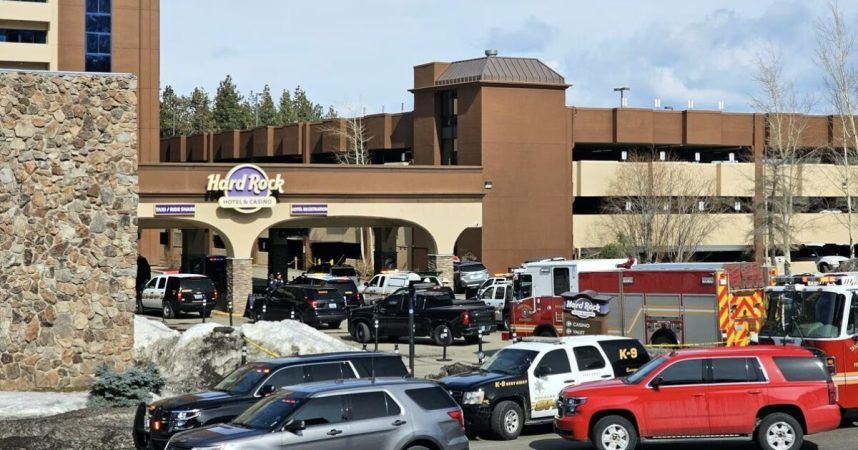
(502, 69)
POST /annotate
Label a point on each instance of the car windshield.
(809, 314)
(271, 412)
(509, 361)
(242, 380)
(644, 370)
(346, 287)
(472, 267)
(343, 272)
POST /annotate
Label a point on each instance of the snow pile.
(202, 355)
(291, 337)
(20, 405)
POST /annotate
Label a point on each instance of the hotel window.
(448, 124)
(23, 36)
(97, 35)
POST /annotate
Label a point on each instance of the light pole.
(622, 90)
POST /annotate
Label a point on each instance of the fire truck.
(819, 312)
(658, 304)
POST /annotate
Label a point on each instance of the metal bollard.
(243, 354)
(292, 315)
(204, 309)
(230, 313)
(376, 335)
(264, 310)
(364, 347)
(444, 354)
(480, 353)
(396, 348)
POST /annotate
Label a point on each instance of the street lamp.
(622, 90)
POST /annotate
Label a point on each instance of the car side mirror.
(656, 383)
(267, 390)
(293, 426)
(855, 337)
(543, 371)
(366, 283)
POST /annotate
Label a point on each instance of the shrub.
(136, 385)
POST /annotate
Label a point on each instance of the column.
(239, 275)
(443, 265)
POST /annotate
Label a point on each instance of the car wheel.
(779, 431)
(168, 311)
(257, 316)
(334, 325)
(362, 333)
(299, 317)
(442, 335)
(417, 447)
(614, 433)
(507, 420)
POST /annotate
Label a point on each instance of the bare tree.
(356, 152)
(785, 122)
(660, 210)
(834, 46)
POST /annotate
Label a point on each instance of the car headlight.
(570, 405)
(473, 397)
(185, 415)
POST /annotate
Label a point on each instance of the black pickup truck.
(437, 314)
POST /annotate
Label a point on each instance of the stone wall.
(68, 227)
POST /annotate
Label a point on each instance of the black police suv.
(306, 304)
(155, 423)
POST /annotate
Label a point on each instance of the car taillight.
(215, 294)
(317, 304)
(466, 318)
(360, 299)
(832, 393)
(179, 295)
(458, 416)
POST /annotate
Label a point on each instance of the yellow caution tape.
(261, 348)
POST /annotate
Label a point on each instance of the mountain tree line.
(230, 110)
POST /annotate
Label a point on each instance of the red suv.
(773, 395)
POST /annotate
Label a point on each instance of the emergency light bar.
(846, 278)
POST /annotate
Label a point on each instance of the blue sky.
(348, 53)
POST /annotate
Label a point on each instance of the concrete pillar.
(239, 275)
(443, 265)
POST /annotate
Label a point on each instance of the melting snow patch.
(21, 405)
(290, 337)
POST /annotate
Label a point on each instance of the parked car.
(492, 281)
(436, 314)
(214, 267)
(386, 283)
(157, 422)
(469, 276)
(773, 395)
(380, 414)
(520, 383)
(178, 293)
(330, 271)
(306, 304)
(499, 297)
(344, 285)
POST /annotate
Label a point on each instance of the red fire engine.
(693, 303)
(821, 312)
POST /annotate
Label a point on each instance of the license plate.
(198, 296)
(332, 305)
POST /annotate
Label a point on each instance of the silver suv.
(381, 414)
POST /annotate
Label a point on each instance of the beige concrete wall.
(591, 231)
(444, 221)
(595, 178)
(28, 15)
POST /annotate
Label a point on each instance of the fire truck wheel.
(614, 433)
(779, 431)
(442, 335)
(507, 420)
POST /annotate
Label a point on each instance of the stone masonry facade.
(68, 227)
(239, 282)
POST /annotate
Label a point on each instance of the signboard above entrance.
(246, 188)
(175, 209)
(309, 209)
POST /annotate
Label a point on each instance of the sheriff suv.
(773, 395)
(520, 383)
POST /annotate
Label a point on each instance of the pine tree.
(173, 113)
(230, 110)
(285, 109)
(199, 105)
(305, 110)
(267, 112)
